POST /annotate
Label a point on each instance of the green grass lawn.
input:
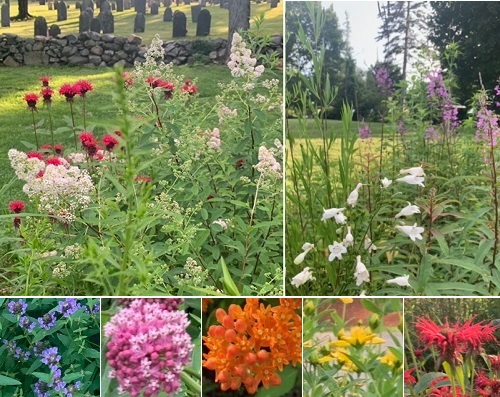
(294, 128)
(16, 121)
(124, 21)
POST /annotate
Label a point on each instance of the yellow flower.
(359, 336)
(308, 343)
(347, 300)
(390, 359)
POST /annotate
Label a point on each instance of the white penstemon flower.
(402, 281)
(386, 182)
(336, 213)
(369, 245)
(353, 197)
(301, 278)
(336, 251)
(408, 210)
(361, 274)
(300, 258)
(414, 232)
(349, 239)
(415, 171)
(412, 180)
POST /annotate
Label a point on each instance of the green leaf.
(6, 381)
(426, 380)
(91, 353)
(288, 379)
(47, 378)
(229, 286)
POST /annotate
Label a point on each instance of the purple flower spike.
(42, 389)
(47, 321)
(68, 307)
(24, 322)
(18, 308)
(51, 358)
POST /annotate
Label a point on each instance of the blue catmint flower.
(18, 308)
(68, 307)
(26, 323)
(47, 321)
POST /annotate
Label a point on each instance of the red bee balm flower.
(487, 387)
(47, 94)
(409, 379)
(83, 87)
(36, 155)
(58, 149)
(31, 99)
(452, 341)
(128, 78)
(69, 91)
(54, 161)
(109, 141)
(45, 80)
(16, 206)
(190, 88)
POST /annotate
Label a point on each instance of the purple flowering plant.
(151, 346)
(49, 347)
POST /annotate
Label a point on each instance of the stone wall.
(100, 50)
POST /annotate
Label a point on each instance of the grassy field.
(16, 126)
(294, 129)
(124, 21)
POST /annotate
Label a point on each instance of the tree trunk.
(239, 19)
(23, 11)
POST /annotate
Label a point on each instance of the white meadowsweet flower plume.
(408, 210)
(336, 251)
(361, 274)
(300, 258)
(353, 197)
(412, 180)
(413, 232)
(349, 239)
(369, 244)
(331, 213)
(386, 182)
(415, 171)
(402, 281)
(303, 277)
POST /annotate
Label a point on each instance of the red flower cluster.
(16, 206)
(409, 379)
(167, 86)
(109, 141)
(487, 387)
(143, 179)
(45, 80)
(128, 78)
(89, 143)
(190, 88)
(83, 86)
(47, 94)
(36, 155)
(452, 341)
(54, 161)
(31, 99)
(69, 91)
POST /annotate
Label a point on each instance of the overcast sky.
(364, 27)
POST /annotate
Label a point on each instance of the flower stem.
(34, 128)
(51, 131)
(73, 121)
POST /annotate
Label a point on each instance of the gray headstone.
(139, 23)
(187, 2)
(167, 15)
(84, 22)
(50, 6)
(224, 4)
(179, 24)
(54, 30)
(77, 5)
(204, 22)
(40, 26)
(274, 3)
(113, 6)
(105, 6)
(119, 5)
(126, 4)
(90, 11)
(167, 3)
(154, 8)
(98, 3)
(140, 6)
(62, 11)
(95, 25)
(203, 3)
(5, 17)
(87, 4)
(195, 11)
(108, 22)
(41, 2)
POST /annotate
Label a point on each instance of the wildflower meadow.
(49, 347)
(411, 209)
(169, 196)
(353, 347)
(451, 347)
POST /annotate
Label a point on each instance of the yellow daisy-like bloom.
(347, 300)
(390, 359)
(340, 356)
(359, 336)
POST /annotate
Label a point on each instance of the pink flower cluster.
(488, 128)
(437, 91)
(148, 347)
(214, 141)
(268, 165)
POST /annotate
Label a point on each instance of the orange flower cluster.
(253, 344)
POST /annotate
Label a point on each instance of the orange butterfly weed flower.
(252, 344)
